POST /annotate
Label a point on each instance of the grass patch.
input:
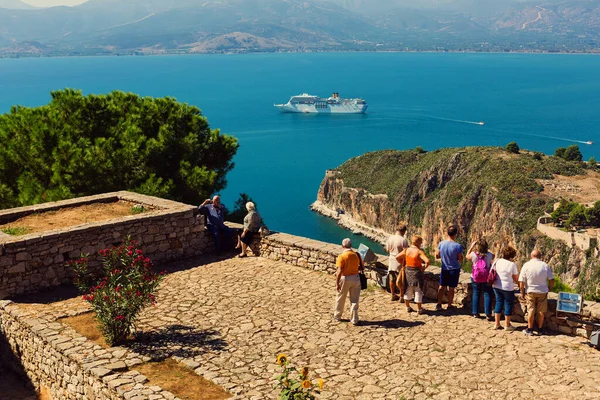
(181, 381)
(138, 209)
(86, 325)
(16, 230)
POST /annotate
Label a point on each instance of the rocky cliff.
(486, 192)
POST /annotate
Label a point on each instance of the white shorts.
(415, 292)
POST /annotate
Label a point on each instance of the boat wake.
(459, 121)
(588, 142)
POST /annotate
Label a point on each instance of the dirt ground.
(71, 216)
(581, 188)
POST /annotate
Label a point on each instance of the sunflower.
(281, 359)
(306, 384)
(304, 371)
(320, 383)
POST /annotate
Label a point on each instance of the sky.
(49, 3)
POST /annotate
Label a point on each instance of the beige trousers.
(350, 286)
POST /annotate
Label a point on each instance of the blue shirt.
(214, 215)
(449, 251)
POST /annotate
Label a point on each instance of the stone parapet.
(168, 231)
(321, 256)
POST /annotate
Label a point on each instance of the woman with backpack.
(481, 261)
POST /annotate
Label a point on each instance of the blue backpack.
(480, 269)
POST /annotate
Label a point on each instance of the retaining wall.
(68, 365)
(168, 231)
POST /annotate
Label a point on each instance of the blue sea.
(431, 100)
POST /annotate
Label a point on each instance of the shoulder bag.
(492, 275)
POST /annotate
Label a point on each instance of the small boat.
(589, 142)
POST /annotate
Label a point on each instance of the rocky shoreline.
(347, 222)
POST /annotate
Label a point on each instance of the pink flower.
(119, 318)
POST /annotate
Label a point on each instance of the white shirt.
(395, 245)
(505, 270)
(536, 274)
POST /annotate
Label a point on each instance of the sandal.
(242, 255)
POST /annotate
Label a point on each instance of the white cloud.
(50, 3)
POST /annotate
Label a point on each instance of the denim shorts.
(504, 299)
(449, 277)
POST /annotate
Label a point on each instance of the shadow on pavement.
(392, 323)
(48, 295)
(176, 340)
(14, 382)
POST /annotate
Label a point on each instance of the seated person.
(215, 223)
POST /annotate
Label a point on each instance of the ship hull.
(332, 109)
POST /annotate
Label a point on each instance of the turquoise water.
(415, 99)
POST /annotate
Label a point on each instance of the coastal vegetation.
(489, 192)
(80, 145)
(510, 178)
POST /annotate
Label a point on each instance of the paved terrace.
(228, 319)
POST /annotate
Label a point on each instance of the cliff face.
(485, 192)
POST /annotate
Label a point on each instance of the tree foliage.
(80, 145)
(572, 153)
(574, 214)
(560, 152)
(239, 208)
(592, 163)
(513, 147)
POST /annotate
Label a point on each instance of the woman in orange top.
(415, 261)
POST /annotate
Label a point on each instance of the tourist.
(415, 262)
(451, 254)
(215, 223)
(252, 223)
(481, 262)
(536, 280)
(504, 287)
(347, 281)
(395, 244)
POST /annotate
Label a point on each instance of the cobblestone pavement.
(260, 308)
(230, 318)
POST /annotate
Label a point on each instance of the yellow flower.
(304, 371)
(306, 384)
(320, 383)
(281, 359)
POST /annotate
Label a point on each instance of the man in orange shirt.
(347, 281)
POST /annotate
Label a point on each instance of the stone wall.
(320, 256)
(65, 363)
(168, 231)
(583, 240)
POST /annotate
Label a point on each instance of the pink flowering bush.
(127, 285)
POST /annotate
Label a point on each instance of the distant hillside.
(15, 5)
(485, 191)
(184, 26)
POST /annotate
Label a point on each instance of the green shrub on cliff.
(457, 178)
(80, 145)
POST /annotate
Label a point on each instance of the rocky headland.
(485, 191)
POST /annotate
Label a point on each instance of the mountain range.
(193, 26)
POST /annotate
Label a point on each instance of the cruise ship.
(306, 103)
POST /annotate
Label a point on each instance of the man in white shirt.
(537, 279)
(395, 244)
